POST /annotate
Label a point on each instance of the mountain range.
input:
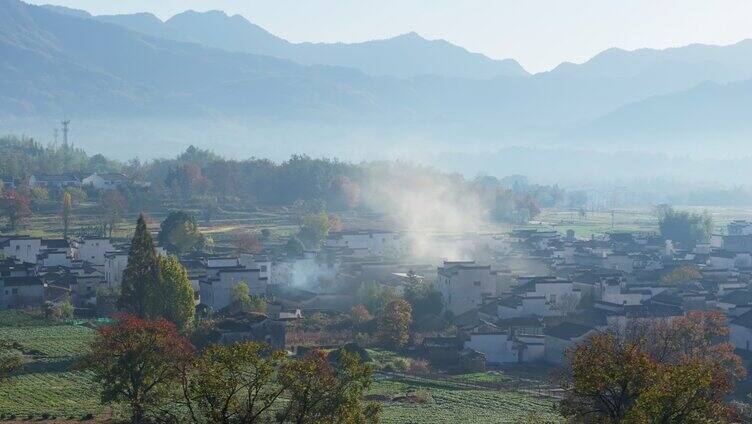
(136, 71)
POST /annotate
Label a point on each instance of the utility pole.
(54, 135)
(65, 131)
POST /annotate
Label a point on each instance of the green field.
(632, 219)
(456, 403)
(461, 398)
(48, 385)
(51, 387)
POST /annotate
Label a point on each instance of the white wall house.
(618, 294)
(20, 292)
(522, 307)
(216, 289)
(54, 257)
(498, 347)
(740, 332)
(25, 249)
(114, 265)
(560, 294)
(260, 262)
(94, 249)
(107, 181)
(464, 285)
(376, 243)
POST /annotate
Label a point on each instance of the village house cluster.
(96, 181)
(535, 294)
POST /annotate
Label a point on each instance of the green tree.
(66, 309)
(294, 247)
(424, 299)
(360, 315)
(137, 362)
(174, 297)
(241, 295)
(320, 392)
(141, 276)
(374, 296)
(179, 233)
(232, 384)
(66, 210)
(315, 229)
(10, 359)
(684, 227)
(394, 323)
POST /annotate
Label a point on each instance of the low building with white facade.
(374, 242)
(561, 295)
(465, 285)
(114, 265)
(105, 181)
(221, 277)
(94, 250)
(740, 332)
(22, 248)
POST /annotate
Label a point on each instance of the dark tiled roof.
(744, 320)
(510, 301)
(738, 297)
(21, 281)
(653, 310)
(567, 330)
(56, 243)
(520, 322)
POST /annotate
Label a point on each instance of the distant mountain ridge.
(126, 68)
(403, 56)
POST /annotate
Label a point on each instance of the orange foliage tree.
(670, 371)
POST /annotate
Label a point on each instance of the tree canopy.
(674, 371)
(394, 323)
(173, 299)
(142, 275)
(684, 227)
(137, 362)
(179, 233)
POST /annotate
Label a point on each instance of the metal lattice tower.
(65, 131)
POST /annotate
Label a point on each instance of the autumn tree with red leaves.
(15, 207)
(670, 371)
(135, 361)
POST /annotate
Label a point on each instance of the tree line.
(201, 179)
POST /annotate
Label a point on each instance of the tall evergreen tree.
(141, 278)
(174, 299)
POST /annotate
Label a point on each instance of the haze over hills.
(222, 82)
(407, 55)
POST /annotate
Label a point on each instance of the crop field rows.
(48, 385)
(445, 402)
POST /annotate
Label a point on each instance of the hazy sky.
(538, 33)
